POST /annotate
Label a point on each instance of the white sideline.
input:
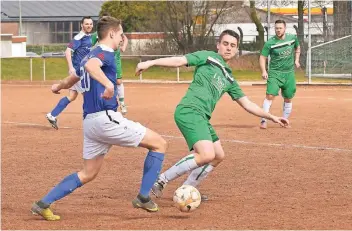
(222, 140)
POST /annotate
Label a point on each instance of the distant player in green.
(284, 51)
(212, 78)
(120, 86)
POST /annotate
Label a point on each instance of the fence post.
(140, 75)
(178, 74)
(44, 77)
(31, 68)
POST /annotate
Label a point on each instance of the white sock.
(266, 106)
(121, 92)
(287, 109)
(186, 164)
(198, 175)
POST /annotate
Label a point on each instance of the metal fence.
(43, 67)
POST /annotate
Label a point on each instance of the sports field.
(298, 178)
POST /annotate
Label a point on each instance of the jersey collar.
(106, 48)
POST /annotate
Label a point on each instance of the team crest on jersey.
(101, 56)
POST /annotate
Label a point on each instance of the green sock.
(122, 100)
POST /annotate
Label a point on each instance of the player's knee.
(286, 100)
(72, 96)
(206, 157)
(220, 156)
(119, 81)
(87, 176)
(161, 145)
(270, 97)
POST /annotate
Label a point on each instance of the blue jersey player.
(104, 126)
(80, 46)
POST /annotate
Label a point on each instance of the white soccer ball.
(187, 198)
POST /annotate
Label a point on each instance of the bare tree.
(190, 24)
(258, 24)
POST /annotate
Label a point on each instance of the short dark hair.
(104, 14)
(231, 33)
(84, 18)
(105, 24)
(280, 21)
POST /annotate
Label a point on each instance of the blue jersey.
(93, 102)
(80, 45)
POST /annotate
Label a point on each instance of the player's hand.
(55, 88)
(124, 37)
(108, 92)
(280, 120)
(265, 75)
(142, 66)
(298, 65)
(72, 71)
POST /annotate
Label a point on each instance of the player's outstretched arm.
(297, 55)
(262, 64)
(68, 56)
(176, 61)
(93, 68)
(254, 109)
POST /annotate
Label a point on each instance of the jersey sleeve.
(197, 58)
(296, 42)
(74, 44)
(102, 56)
(235, 91)
(266, 50)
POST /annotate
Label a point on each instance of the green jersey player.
(284, 51)
(212, 78)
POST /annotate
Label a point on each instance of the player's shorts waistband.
(100, 113)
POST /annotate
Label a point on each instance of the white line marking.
(222, 140)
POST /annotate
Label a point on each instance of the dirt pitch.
(298, 178)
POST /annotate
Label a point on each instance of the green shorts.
(281, 80)
(194, 126)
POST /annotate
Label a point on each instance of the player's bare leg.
(266, 107)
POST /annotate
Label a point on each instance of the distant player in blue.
(80, 46)
(104, 126)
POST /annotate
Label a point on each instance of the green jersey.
(212, 78)
(94, 38)
(282, 52)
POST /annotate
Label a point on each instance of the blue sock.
(60, 106)
(152, 166)
(65, 187)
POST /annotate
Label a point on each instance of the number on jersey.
(85, 79)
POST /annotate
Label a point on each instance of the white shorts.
(77, 87)
(106, 128)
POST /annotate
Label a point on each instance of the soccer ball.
(187, 198)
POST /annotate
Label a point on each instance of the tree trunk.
(300, 31)
(258, 24)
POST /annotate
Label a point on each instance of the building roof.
(50, 10)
